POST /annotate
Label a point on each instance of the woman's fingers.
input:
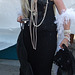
(65, 41)
(19, 19)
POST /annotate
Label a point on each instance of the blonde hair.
(25, 8)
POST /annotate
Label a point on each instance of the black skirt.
(40, 59)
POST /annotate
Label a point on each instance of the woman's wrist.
(67, 34)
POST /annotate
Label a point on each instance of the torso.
(48, 23)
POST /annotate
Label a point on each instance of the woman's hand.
(19, 19)
(65, 41)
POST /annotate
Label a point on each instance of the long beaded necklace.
(33, 22)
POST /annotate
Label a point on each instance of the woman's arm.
(60, 7)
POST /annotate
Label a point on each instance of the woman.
(37, 41)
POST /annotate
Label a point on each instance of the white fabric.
(67, 15)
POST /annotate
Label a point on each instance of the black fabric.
(66, 62)
(25, 68)
(71, 68)
(68, 72)
(63, 59)
(48, 23)
(40, 60)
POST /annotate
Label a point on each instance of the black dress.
(38, 61)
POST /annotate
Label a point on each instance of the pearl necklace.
(34, 13)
